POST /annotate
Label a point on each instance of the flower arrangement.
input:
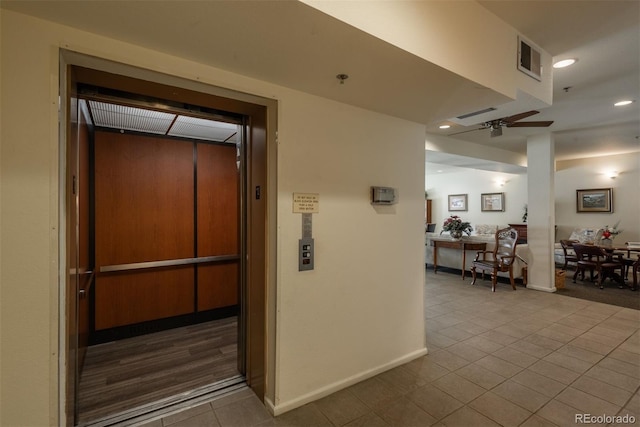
(455, 223)
(610, 232)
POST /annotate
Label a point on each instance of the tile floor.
(523, 358)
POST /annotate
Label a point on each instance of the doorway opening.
(163, 297)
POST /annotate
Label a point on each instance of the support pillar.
(541, 212)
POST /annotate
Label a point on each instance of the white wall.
(333, 318)
(473, 183)
(359, 311)
(572, 175)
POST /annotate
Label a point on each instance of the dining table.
(629, 247)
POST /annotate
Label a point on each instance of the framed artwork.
(457, 202)
(594, 200)
(492, 202)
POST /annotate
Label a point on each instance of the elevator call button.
(305, 254)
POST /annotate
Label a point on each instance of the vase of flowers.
(456, 226)
(609, 233)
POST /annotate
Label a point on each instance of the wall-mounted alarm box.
(383, 195)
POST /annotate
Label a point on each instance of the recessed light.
(444, 126)
(564, 63)
(622, 103)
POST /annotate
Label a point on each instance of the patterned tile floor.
(523, 358)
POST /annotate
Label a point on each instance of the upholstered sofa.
(452, 258)
(583, 235)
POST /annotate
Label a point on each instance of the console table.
(522, 232)
(463, 245)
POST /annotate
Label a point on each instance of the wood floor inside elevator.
(125, 374)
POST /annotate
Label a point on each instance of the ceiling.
(293, 45)
(605, 38)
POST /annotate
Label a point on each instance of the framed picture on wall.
(457, 202)
(594, 200)
(492, 202)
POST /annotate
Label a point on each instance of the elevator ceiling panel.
(130, 118)
(193, 127)
(123, 117)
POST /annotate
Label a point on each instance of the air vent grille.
(476, 113)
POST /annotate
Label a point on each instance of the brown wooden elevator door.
(144, 198)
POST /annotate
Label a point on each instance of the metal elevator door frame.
(254, 242)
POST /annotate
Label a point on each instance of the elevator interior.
(159, 217)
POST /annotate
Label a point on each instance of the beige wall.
(360, 311)
(425, 29)
(572, 175)
(474, 182)
(368, 260)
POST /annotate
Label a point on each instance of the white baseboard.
(541, 288)
(283, 407)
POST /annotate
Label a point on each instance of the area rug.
(611, 294)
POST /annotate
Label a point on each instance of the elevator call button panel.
(305, 254)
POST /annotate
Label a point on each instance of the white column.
(541, 212)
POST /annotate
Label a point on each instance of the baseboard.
(270, 406)
(339, 385)
(540, 288)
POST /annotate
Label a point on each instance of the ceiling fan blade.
(520, 116)
(541, 124)
(465, 131)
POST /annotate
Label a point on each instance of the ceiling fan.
(511, 122)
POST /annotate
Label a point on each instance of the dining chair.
(596, 259)
(627, 258)
(500, 259)
(635, 268)
(569, 252)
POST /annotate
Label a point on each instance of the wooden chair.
(635, 271)
(569, 253)
(597, 260)
(628, 259)
(501, 259)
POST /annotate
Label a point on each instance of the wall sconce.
(612, 174)
(500, 182)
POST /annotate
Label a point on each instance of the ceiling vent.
(475, 113)
(529, 59)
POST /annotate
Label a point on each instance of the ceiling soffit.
(287, 43)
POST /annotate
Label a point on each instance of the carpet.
(611, 294)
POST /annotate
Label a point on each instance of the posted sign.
(306, 203)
